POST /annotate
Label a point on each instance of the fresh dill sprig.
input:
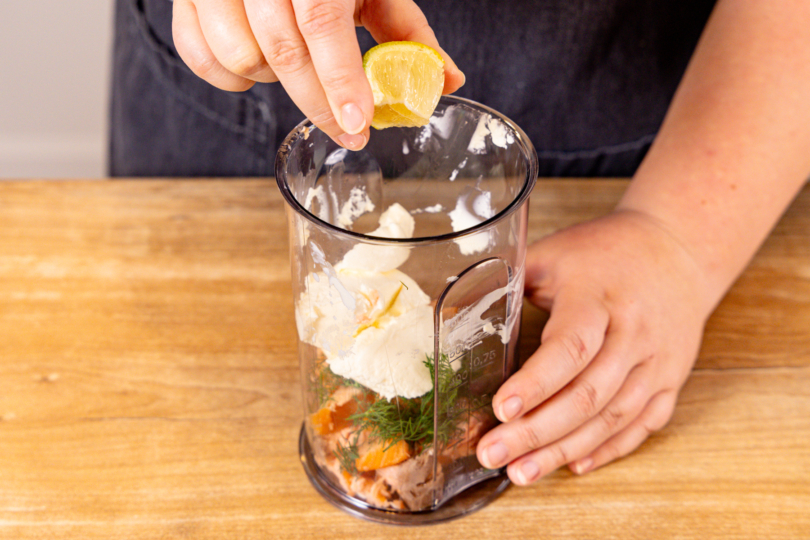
(324, 385)
(395, 420)
(347, 457)
(450, 414)
(411, 420)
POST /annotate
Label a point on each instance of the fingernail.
(352, 142)
(352, 119)
(583, 465)
(527, 472)
(495, 455)
(510, 408)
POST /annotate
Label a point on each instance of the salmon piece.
(412, 480)
(347, 477)
(376, 492)
(321, 421)
(381, 454)
(344, 395)
(470, 432)
(327, 421)
(334, 415)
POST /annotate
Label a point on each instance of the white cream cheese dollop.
(395, 222)
(325, 319)
(389, 357)
(461, 219)
(372, 321)
(490, 126)
(358, 204)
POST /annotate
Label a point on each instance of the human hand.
(627, 309)
(310, 46)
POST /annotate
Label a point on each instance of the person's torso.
(588, 80)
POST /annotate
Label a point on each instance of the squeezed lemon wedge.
(406, 80)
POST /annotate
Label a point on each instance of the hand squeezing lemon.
(406, 80)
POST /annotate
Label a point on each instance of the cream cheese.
(490, 126)
(389, 357)
(395, 222)
(358, 204)
(461, 219)
(372, 321)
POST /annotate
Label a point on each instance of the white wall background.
(54, 73)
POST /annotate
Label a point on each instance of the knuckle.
(631, 313)
(419, 26)
(322, 18)
(199, 61)
(245, 61)
(561, 454)
(530, 437)
(203, 65)
(612, 417)
(642, 391)
(658, 420)
(324, 119)
(586, 399)
(334, 80)
(575, 349)
(288, 54)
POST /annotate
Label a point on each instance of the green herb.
(411, 420)
(397, 420)
(347, 456)
(326, 382)
(324, 385)
(450, 413)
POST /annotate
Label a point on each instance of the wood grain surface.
(149, 385)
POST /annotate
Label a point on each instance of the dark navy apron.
(588, 80)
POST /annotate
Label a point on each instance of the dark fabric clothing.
(588, 80)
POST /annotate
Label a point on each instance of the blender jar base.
(469, 500)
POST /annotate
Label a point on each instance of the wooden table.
(149, 385)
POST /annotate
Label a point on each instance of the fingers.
(402, 20)
(292, 59)
(563, 413)
(225, 26)
(572, 337)
(329, 32)
(195, 52)
(654, 417)
(217, 44)
(310, 46)
(582, 408)
(575, 448)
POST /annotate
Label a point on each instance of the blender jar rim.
(521, 139)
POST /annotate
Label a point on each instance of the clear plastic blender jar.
(407, 273)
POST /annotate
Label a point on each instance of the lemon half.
(406, 80)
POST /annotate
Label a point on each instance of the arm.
(735, 147)
(629, 293)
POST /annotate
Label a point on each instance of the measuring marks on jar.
(467, 401)
(471, 388)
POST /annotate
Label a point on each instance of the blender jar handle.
(472, 357)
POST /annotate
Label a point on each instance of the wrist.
(703, 280)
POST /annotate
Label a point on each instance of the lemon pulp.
(406, 80)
